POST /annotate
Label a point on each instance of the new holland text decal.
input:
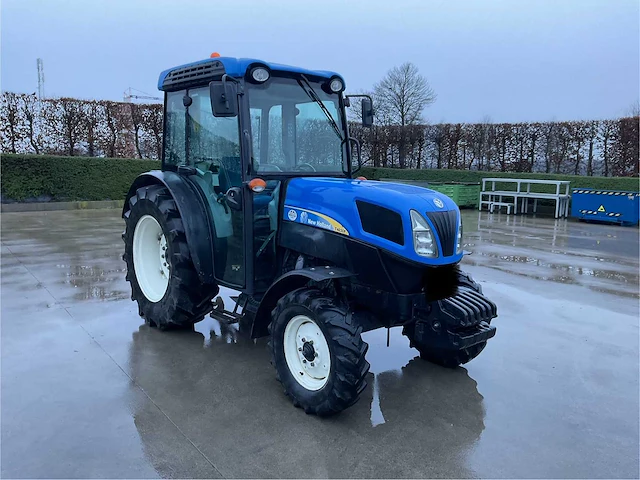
(315, 219)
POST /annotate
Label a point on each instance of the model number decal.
(315, 219)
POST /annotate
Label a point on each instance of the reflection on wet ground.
(89, 390)
(601, 257)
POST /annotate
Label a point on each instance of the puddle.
(386, 359)
(93, 282)
(571, 270)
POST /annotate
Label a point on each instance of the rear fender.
(195, 218)
(285, 284)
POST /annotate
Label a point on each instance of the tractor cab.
(256, 193)
(230, 121)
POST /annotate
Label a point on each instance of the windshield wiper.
(314, 96)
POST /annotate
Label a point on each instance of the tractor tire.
(160, 270)
(318, 352)
(465, 280)
(448, 358)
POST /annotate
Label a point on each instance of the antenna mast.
(40, 79)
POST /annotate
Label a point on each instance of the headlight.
(260, 74)
(336, 85)
(423, 241)
(459, 240)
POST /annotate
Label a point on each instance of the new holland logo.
(438, 203)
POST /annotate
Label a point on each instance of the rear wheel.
(163, 278)
(318, 352)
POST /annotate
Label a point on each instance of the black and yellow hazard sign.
(601, 208)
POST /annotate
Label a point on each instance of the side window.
(212, 140)
(316, 142)
(256, 125)
(174, 130)
(276, 152)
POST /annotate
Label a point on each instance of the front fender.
(193, 212)
(286, 283)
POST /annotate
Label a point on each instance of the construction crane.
(129, 95)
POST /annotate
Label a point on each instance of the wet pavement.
(89, 391)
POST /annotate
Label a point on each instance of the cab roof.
(196, 72)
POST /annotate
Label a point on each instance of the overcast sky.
(510, 60)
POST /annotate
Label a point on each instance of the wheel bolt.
(299, 349)
(304, 361)
(303, 340)
(316, 354)
(313, 364)
(310, 342)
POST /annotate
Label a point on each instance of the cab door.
(211, 147)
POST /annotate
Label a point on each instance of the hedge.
(52, 178)
(474, 176)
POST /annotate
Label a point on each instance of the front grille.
(446, 224)
(184, 77)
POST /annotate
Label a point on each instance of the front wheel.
(448, 358)
(318, 352)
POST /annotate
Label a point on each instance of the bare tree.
(9, 116)
(634, 109)
(93, 113)
(591, 135)
(72, 119)
(402, 95)
(30, 110)
(135, 111)
(152, 117)
(608, 136)
(400, 98)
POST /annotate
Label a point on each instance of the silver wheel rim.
(150, 258)
(307, 353)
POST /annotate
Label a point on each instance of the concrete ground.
(89, 391)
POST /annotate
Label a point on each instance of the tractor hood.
(376, 213)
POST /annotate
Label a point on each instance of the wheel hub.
(308, 351)
(150, 258)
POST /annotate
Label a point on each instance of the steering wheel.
(305, 167)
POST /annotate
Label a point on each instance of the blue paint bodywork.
(237, 67)
(336, 198)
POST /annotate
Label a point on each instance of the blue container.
(606, 206)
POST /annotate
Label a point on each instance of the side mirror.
(224, 98)
(367, 112)
(233, 198)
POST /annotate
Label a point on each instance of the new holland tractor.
(257, 193)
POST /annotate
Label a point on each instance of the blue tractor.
(257, 193)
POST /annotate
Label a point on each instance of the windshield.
(291, 131)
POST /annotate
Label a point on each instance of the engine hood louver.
(195, 74)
